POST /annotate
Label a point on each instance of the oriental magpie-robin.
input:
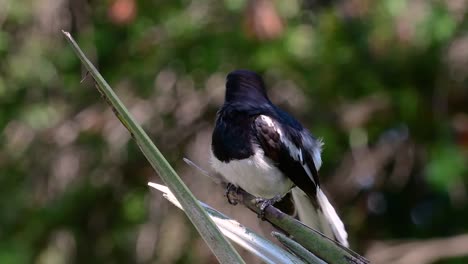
(265, 151)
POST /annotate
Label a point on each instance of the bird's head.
(245, 85)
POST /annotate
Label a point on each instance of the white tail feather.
(307, 212)
(333, 218)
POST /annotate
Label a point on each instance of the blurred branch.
(362, 167)
(219, 245)
(317, 243)
(422, 252)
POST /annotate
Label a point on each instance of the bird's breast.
(256, 174)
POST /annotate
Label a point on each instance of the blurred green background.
(384, 83)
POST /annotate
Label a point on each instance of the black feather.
(238, 126)
(278, 151)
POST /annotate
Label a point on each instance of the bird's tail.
(326, 219)
(336, 224)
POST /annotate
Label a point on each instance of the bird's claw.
(231, 193)
(263, 203)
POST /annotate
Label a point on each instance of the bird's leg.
(264, 203)
(231, 193)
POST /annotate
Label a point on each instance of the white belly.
(257, 175)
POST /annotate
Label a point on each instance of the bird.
(265, 151)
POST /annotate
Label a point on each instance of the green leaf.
(446, 167)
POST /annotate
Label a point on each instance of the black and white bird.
(265, 151)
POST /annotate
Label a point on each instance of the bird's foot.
(231, 193)
(263, 203)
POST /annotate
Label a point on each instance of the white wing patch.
(294, 151)
(316, 147)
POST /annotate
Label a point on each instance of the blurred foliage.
(384, 83)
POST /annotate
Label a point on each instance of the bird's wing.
(286, 149)
(297, 155)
